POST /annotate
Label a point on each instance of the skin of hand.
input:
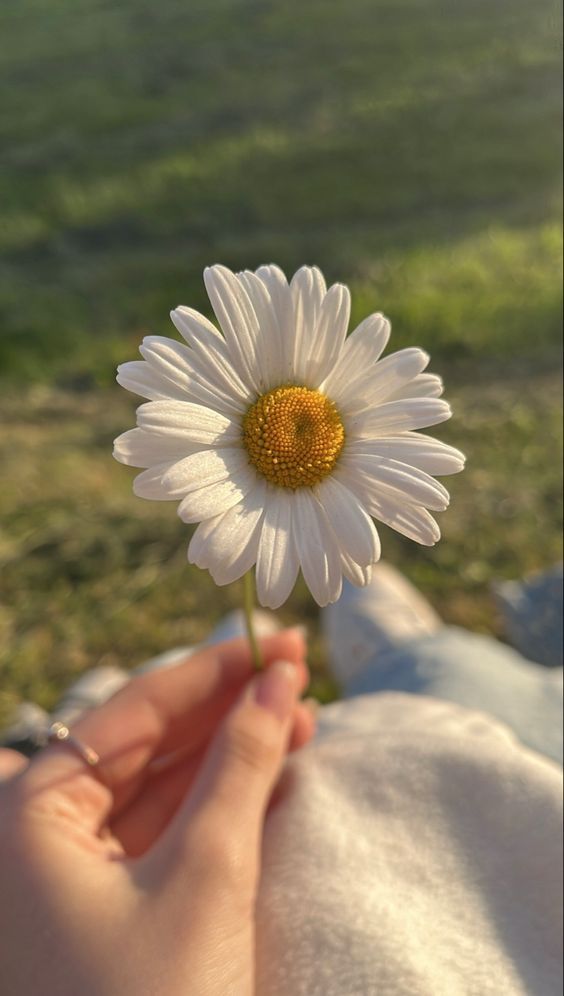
(140, 875)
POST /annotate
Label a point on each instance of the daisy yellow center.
(293, 436)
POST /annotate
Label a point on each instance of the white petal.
(374, 385)
(212, 482)
(169, 359)
(353, 527)
(371, 476)
(138, 448)
(421, 451)
(309, 282)
(425, 385)
(317, 548)
(238, 321)
(149, 484)
(360, 576)
(308, 292)
(207, 467)
(208, 380)
(209, 356)
(227, 544)
(277, 560)
(139, 378)
(398, 416)
(277, 286)
(360, 351)
(214, 499)
(193, 423)
(211, 368)
(329, 334)
(194, 327)
(270, 348)
(412, 521)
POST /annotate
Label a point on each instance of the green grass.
(410, 148)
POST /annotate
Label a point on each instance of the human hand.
(139, 876)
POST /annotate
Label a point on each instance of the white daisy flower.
(284, 438)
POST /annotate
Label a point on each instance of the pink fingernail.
(276, 688)
(300, 629)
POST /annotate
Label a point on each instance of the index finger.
(11, 763)
(158, 713)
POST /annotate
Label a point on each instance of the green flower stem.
(248, 606)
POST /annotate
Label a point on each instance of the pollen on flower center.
(293, 436)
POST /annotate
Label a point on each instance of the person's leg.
(366, 623)
(387, 638)
(532, 615)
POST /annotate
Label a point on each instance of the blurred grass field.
(410, 148)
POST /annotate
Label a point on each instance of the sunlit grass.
(411, 149)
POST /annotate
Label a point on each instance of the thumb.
(11, 762)
(217, 833)
(242, 765)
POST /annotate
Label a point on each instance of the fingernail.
(275, 689)
(300, 629)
